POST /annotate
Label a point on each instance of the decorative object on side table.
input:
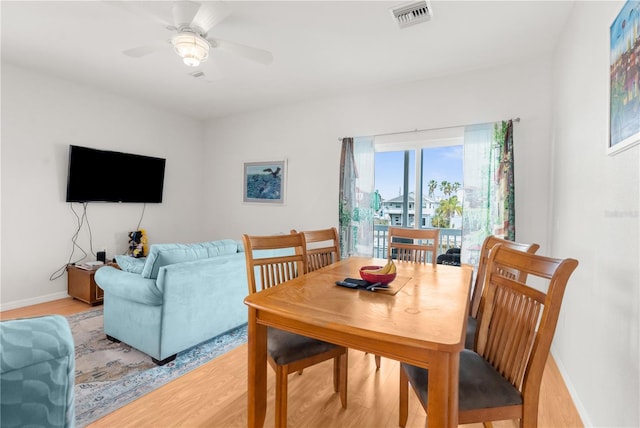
(138, 244)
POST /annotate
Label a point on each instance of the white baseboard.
(34, 301)
(582, 411)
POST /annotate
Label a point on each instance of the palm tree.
(439, 220)
(445, 187)
(433, 185)
(450, 207)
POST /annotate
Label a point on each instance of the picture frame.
(624, 79)
(265, 182)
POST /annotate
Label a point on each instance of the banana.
(392, 270)
(389, 268)
(386, 268)
(375, 271)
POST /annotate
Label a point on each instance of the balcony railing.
(449, 238)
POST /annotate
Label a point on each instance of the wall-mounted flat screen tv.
(108, 176)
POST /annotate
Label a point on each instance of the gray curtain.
(356, 197)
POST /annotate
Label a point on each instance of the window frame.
(417, 141)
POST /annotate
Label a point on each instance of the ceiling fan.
(191, 24)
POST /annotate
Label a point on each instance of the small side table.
(82, 286)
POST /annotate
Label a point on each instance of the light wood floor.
(214, 395)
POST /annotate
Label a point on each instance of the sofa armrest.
(129, 286)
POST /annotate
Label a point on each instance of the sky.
(440, 163)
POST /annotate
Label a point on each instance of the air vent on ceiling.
(411, 13)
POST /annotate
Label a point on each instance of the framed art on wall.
(624, 79)
(264, 182)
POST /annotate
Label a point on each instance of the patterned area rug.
(110, 375)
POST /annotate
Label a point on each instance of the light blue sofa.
(37, 372)
(179, 296)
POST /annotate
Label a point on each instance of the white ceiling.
(320, 48)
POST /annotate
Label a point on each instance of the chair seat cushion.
(480, 386)
(285, 347)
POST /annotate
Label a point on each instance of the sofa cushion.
(168, 254)
(221, 247)
(131, 264)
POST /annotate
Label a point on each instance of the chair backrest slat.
(489, 242)
(276, 258)
(513, 325)
(423, 242)
(517, 322)
(323, 247)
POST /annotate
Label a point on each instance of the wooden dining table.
(421, 321)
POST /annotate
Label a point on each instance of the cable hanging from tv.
(80, 220)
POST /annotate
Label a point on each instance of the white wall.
(41, 117)
(307, 135)
(595, 219)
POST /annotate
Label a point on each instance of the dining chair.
(489, 242)
(413, 245)
(500, 379)
(323, 247)
(277, 259)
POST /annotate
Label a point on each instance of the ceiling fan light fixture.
(192, 48)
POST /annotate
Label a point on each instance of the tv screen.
(107, 176)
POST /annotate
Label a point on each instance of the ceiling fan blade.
(184, 12)
(254, 54)
(141, 51)
(210, 14)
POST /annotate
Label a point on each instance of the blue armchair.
(37, 370)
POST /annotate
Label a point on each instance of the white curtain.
(488, 207)
(478, 140)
